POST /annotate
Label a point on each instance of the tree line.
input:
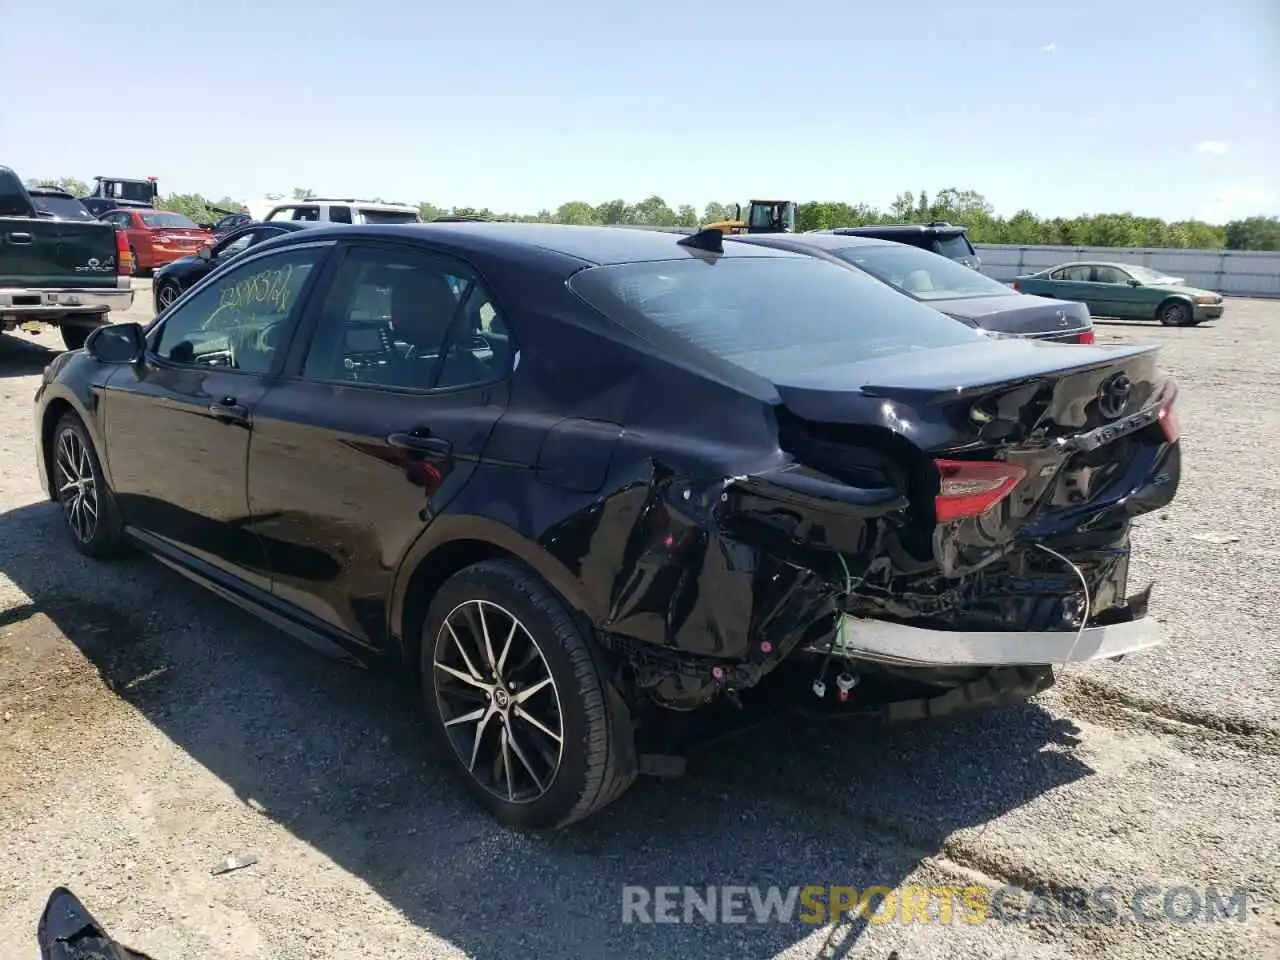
(965, 207)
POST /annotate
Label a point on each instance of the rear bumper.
(18, 304)
(893, 643)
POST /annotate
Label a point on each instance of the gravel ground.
(150, 730)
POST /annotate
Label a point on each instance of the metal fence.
(1235, 273)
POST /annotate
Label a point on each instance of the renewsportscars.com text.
(816, 905)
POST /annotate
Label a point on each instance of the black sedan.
(173, 279)
(957, 290)
(576, 481)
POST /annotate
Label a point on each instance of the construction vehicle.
(113, 193)
(763, 216)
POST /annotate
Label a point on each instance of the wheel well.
(52, 414)
(1172, 298)
(429, 576)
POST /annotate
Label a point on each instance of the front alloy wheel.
(498, 701)
(167, 293)
(77, 486)
(88, 505)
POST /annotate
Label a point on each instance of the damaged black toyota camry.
(577, 481)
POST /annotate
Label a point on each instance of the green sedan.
(1124, 290)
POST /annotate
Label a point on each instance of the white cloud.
(1215, 147)
(1049, 47)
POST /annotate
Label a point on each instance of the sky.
(1165, 108)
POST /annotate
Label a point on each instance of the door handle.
(21, 238)
(432, 446)
(227, 409)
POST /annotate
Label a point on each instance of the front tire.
(89, 510)
(514, 690)
(1175, 313)
(166, 293)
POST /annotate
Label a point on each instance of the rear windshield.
(921, 274)
(777, 317)
(388, 216)
(65, 208)
(957, 246)
(173, 220)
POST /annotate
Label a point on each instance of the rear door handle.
(227, 409)
(21, 238)
(432, 446)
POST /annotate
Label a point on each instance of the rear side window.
(339, 214)
(956, 246)
(776, 317)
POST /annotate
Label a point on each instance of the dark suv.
(939, 237)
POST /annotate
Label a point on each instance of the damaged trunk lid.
(996, 443)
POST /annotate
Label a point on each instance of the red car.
(157, 237)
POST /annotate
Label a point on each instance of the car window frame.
(234, 236)
(155, 330)
(304, 330)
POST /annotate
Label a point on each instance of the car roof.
(43, 191)
(943, 229)
(830, 242)
(591, 245)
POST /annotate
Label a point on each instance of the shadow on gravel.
(22, 358)
(336, 755)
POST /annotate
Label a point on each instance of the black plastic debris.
(68, 931)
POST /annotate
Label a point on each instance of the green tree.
(1253, 233)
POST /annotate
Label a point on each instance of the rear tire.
(89, 511)
(1175, 313)
(555, 737)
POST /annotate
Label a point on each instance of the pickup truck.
(56, 272)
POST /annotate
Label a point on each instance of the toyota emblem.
(1113, 396)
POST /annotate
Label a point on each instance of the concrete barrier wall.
(1235, 273)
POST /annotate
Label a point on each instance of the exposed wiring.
(1088, 603)
(819, 684)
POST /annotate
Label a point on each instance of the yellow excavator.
(763, 216)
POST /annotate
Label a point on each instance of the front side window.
(310, 213)
(1110, 275)
(407, 320)
(921, 274)
(67, 208)
(776, 317)
(239, 321)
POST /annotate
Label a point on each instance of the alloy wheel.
(498, 701)
(77, 486)
(167, 294)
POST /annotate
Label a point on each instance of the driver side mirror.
(1133, 283)
(117, 343)
(205, 252)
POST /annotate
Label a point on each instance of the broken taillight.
(1167, 418)
(1086, 337)
(970, 488)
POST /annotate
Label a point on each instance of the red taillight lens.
(124, 256)
(1086, 337)
(971, 488)
(1016, 287)
(1167, 418)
